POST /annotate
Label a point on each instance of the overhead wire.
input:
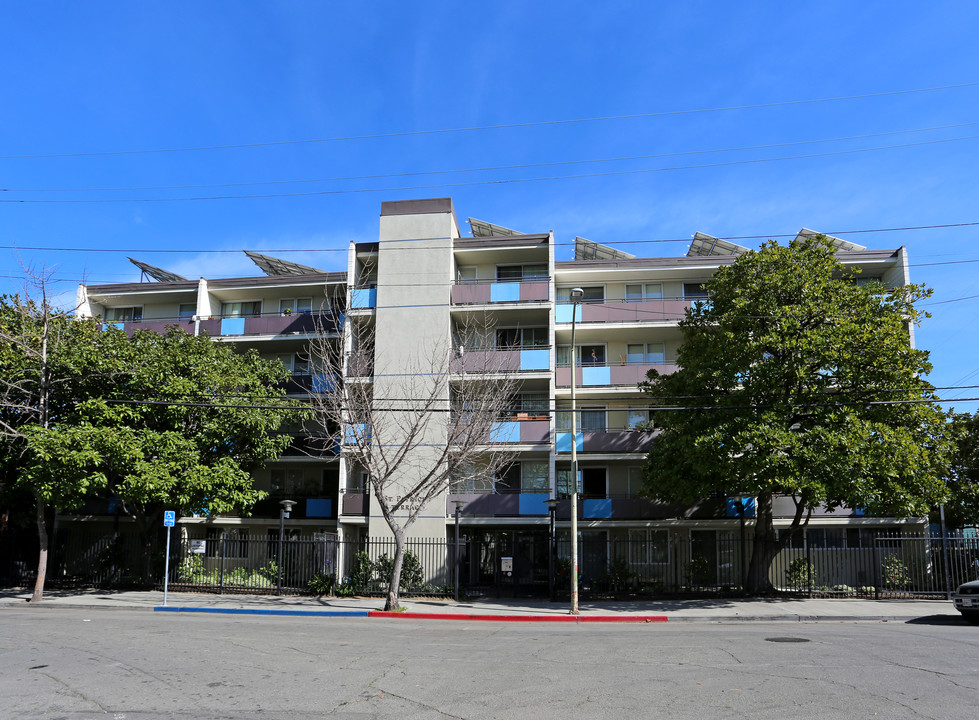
(502, 126)
(475, 183)
(490, 168)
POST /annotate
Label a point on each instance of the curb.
(262, 611)
(520, 618)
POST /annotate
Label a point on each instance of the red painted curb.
(520, 618)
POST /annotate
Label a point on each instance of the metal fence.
(627, 563)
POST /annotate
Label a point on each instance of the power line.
(499, 181)
(768, 236)
(504, 126)
(492, 167)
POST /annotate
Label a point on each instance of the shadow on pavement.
(938, 620)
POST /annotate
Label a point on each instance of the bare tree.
(434, 424)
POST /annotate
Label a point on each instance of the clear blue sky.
(103, 77)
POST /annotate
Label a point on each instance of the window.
(466, 275)
(252, 308)
(649, 291)
(294, 481)
(530, 406)
(186, 311)
(516, 273)
(508, 479)
(521, 337)
(584, 355)
(589, 420)
(645, 354)
(295, 363)
(695, 291)
(592, 293)
(534, 477)
(295, 306)
(124, 314)
(638, 417)
(563, 478)
(594, 482)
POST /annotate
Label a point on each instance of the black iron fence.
(612, 563)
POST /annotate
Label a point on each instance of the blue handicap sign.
(169, 518)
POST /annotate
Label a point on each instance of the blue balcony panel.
(363, 298)
(596, 375)
(533, 503)
(535, 360)
(563, 441)
(323, 383)
(505, 292)
(232, 326)
(505, 432)
(562, 313)
(597, 508)
(319, 507)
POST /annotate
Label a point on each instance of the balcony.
(363, 298)
(624, 441)
(669, 310)
(355, 502)
(531, 359)
(508, 504)
(521, 431)
(534, 504)
(160, 325)
(301, 324)
(485, 293)
(626, 374)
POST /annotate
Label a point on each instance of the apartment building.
(416, 287)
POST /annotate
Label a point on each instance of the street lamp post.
(455, 554)
(283, 514)
(576, 295)
(551, 545)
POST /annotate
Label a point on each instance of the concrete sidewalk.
(703, 610)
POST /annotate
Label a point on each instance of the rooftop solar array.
(156, 273)
(704, 245)
(481, 228)
(275, 266)
(837, 243)
(588, 250)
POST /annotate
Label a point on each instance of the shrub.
(322, 583)
(799, 574)
(894, 573)
(411, 570)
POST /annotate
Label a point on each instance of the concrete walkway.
(704, 610)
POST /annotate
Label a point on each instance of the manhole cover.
(786, 639)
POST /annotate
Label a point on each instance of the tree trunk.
(394, 582)
(765, 547)
(42, 555)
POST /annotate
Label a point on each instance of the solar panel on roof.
(276, 266)
(481, 228)
(588, 250)
(844, 245)
(156, 273)
(706, 245)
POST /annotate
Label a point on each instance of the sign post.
(169, 518)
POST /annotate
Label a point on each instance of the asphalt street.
(82, 663)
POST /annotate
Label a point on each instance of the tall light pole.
(576, 295)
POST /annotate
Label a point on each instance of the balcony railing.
(354, 502)
(622, 441)
(272, 324)
(624, 311)
(630, 374)
(592, 507)
(527, 359)
(484, 292)
(363, 298)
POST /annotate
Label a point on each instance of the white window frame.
(133, 308)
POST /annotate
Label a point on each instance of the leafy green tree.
(149, 421)
(183, 424)
(796, 380)
(962, 508)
